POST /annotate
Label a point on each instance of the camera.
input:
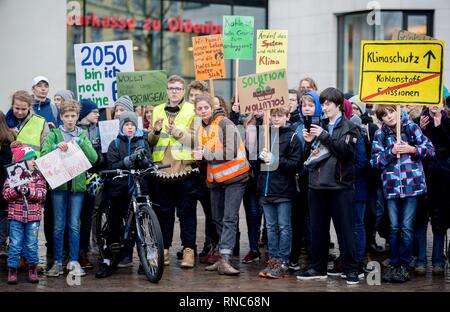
(311, 120)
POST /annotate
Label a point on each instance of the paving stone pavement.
(176, 279)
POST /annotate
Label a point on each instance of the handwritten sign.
(18, 174)
(263, 91)
(238, 37)
(407, 35)
(401, 72)
(208, 57)
(58, 167)
(271, 49)
(109, 129)
(143, 87)
(97, 65)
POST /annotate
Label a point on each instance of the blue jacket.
(402, 177)
(47, 110)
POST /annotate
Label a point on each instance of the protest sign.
(263, 91)
(58, 167)
(208, 57)
(109, 129)
(18, 174)
(143, 87)
(403, 72)
(407, 35)
(271, 49)
(238, 37)
(97, 65)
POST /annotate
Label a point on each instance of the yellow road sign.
(403, 72)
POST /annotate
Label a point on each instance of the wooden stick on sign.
(398, 127)
(108, 113)
(266, 130)
(236, 81)
(211, 87)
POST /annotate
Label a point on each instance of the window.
(353, 27)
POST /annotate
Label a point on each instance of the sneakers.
(125, 263)
(279, 270)
(75, 268)
(188, 258)
(336, 270)
(353, 278)
(166, 257)
(251, 256)
(103, 271)
(420, 270)
(438, 270)
(32, 274)
(388, 275)
(12, 276)
(269, 267)
(293, 266)
(401, 275)
(84, 260)
(56, 270)
(311, 274)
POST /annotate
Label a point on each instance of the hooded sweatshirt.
(47, 110)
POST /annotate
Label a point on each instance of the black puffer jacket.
(338, 170)
(116, 155)
(279, 180)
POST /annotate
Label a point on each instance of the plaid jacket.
(402, 177)
(18, 210)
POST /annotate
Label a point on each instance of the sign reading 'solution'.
(97, 65)
(263, 91)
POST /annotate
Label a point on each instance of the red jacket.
(35, 197)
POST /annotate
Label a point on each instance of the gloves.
(138, 154)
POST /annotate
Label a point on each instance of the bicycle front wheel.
(150, 243)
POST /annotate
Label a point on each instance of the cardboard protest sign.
(143, 87)
(109, 129)
(263, 91)
(208, 57)
(18, 174)
(97, 65)
(401, 72)
(407, 35)
(238, 37)
(271, 49)
(58, 167)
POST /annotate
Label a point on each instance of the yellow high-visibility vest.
(30, 133)
(183, 122)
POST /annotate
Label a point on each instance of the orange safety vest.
(227, 170)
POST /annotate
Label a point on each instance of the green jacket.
(51, 143)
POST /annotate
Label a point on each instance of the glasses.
(175, 90)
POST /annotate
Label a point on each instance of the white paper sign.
(97, 65)
(58, 167)
(109, 129)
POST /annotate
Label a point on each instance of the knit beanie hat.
(361, 105)
(125, 102)
(21, 152)
(348, 109)
(87, 106)
(126, 117)
(66, 95)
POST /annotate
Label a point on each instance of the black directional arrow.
(430, 55)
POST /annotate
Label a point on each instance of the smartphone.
(315, 120)
(311, 120)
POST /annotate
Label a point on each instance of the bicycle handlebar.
(153, 168)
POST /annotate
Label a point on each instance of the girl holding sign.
(68, 198)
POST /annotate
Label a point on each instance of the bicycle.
(140, 218)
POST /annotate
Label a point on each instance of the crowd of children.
(328, 157)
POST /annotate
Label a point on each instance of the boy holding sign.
(68, 198)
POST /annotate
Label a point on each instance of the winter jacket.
(402, 177)
(338, 170)
(120, 148)
(5, 159)
(51, 143)
(230, 148)
(48, 110)
(30, 209)
(279, 180)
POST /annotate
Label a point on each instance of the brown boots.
(32, 275)
(223, 266)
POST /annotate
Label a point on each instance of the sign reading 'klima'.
(401, 72)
